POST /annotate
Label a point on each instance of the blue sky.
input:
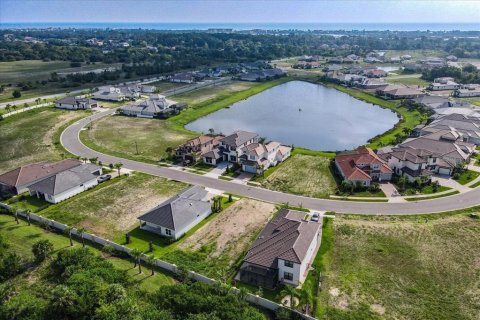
(164, 11)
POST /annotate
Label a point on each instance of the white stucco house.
(75, 103)
(230, 148)
(257, 157)
(283, 252)
(174, 217)
(66, 184)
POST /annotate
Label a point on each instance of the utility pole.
(136, 146)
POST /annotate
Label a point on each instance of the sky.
(238, 11)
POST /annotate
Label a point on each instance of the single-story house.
(184, 77)
(75, 103)
(155, 106)
(174, 217)
(444, 83)
(18, 180)
(66, 184)
(468, 90)
(109, 94)
(362, 165)
(398, 92)
(283, 252)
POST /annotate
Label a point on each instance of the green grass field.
(22, 237)
(409, 80)
(112, 207)
(402, 268)
(467, 176)
(216, 92)
(302, 174)
(30, 136)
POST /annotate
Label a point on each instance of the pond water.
(303, 114)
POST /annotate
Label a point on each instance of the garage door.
(250, 169)
(444, 171)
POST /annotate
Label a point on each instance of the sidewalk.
(26, 109)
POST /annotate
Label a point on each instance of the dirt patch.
(61, 120)
(378, 308)
(232, 230)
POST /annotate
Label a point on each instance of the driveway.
(70, 140)
(218, 170)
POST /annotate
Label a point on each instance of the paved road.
(70, 140)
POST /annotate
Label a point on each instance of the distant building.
(468, 90)
(75, 103)
(444, 83)
(398, 92)
(156, 106)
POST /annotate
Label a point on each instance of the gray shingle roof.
(286, 237)
(66, 180)
(180, 210)
(238, 138)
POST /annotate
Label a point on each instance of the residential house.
(174, 217)
(398, 92)
(194, 149)
(76, 103)
(66, 184)
(184, 77)
(262, 75)
(362, 166)
(467, 125)
(444, 83)
(433, 62)
(467, 90)
(257, 157)
(18, 180)
(375, 73)
(452, 58)
(283, 252)
(413, 67)
(366, 83)
(406, 57)
(108, 93)
(230, 148)
(156, 106)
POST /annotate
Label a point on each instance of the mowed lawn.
(215, 92)
(113, 207)
(21, 237)
(117, 135)
(304, 175)
(410, 268)
(30, 136)
(409, 80)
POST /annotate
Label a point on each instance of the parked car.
(315, 216)
(104, 178)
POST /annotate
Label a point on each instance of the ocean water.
(250, 26)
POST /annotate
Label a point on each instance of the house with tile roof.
(396, 91)
(66, 184)
(230, 148)
(283, 252)
(174, 217)
(18, 180)
(363, 166)
(443, 83)
(194, 149)
(156, 106)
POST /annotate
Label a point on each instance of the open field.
(408, 80)
(112, 207)
(416, 54)
(302, 174)
(221, 91)
(118, 134)
(402, 268)
(225, 239)
(22, 237)
(29, 136)
(166, 85)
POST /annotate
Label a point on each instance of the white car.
(315, 216)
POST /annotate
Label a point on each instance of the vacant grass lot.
(409, 80)
(31, 136)
(221, 91)
(403, 268)
(112, 207)
(22, 237)
(303, 174)
(117, 135)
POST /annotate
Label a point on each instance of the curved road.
(71, 141)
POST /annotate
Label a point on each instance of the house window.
(233, 158)
(288, 276)
(168, 232)
(288, 264)
(208, 160)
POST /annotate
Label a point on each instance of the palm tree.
(151, 261)
(402, 181)
(136, 254)
(306, 299)
(81, 231)
(68, 230)
(292, 293)
(84, 159)
(118, 166)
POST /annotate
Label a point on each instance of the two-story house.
(283, 252)
(230, 148)
(363, 166)
(258, 157)
(194, 149)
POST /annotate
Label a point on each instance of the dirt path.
(234, 229)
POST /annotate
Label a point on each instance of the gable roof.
(287, 236)
(348, 163)
(180, 210)
(66, 180)
(30, 173)
(238, 138)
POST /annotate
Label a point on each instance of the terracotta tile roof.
(33, 172)
(348, 163)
